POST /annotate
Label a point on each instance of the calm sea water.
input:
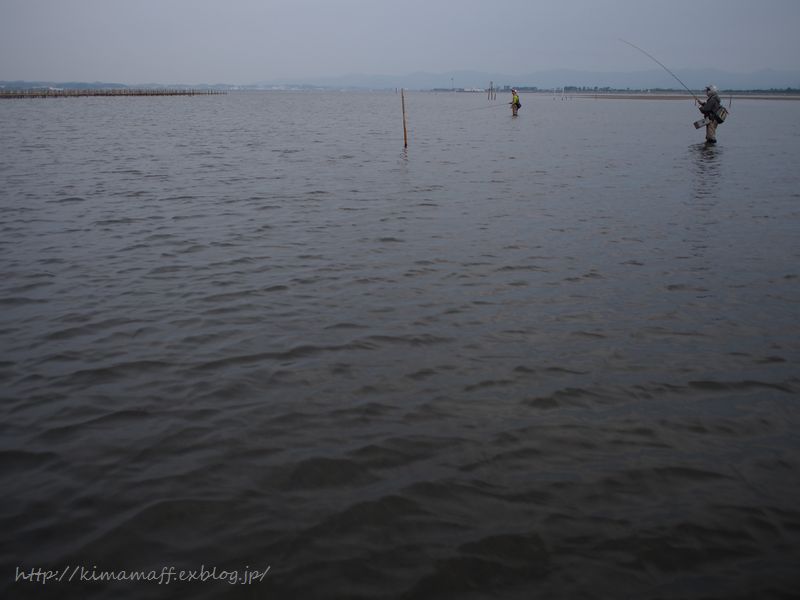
(551, 356)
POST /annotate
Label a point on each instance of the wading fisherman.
(515, 105)
(709, 109)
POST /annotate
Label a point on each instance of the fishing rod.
(663, 67)
(485, 107)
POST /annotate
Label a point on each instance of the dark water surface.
(554, 356)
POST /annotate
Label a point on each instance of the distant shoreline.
(587, 95)
(74, 93)
(646, 96)
(583, 94)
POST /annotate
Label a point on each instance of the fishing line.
(485, 107)
(662, 66)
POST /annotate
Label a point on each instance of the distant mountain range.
(696, 79)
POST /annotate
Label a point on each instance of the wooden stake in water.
(405, 130)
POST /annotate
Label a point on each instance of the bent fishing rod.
(663, 67)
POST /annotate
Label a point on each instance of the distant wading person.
(709, 109)
(515, 105)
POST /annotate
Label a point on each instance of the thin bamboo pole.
(405, 129)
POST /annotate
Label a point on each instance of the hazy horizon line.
(764, 78)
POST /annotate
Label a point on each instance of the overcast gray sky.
(248, 41)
